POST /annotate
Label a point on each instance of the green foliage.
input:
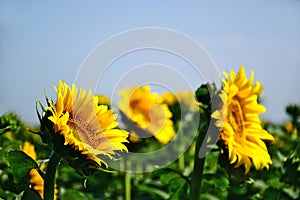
(220, 180)
(177, 183)
(216, 184)
(14, 164)
(71, 194)
(11, 122)
(166, 183)
(20, 164)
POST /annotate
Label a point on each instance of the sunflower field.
(206, 144)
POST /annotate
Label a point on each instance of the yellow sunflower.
(35, 179)
(29, 149)
(148, 111)
(238, 119)
(87, 127)
(186, 97)
(288, 126)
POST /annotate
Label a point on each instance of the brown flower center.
(83, 132)
(140, 108)
(236, 120)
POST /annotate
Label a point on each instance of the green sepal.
(75, 159)
(45, 123)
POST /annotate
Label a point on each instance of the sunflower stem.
(127, 181)
(127, 185)
(197, 174)
(49, 179)
(181, 165)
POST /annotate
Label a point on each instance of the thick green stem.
(127, 181)
(198, 169)
(49, 179)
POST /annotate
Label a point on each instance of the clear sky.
(43, 42)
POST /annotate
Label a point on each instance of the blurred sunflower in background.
(35, 179)
(288, 126)
(185, 97)
(80, 127)
(239, 123)
(148, 112)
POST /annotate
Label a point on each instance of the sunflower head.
(148, 112)
(80, 129)
(169, 98)
(184, 97)
(238, 119)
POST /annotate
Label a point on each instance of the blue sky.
(43, 42)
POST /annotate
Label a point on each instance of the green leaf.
(292, 166)
(168, 177)
(6, 194)
(176, 182)
(179, 188)
(75, 195)
(155, 191)
(30, 195)
(272, 193)
(275, 183)
(216, 184)
(20, 164)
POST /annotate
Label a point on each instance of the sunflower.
(87, 127)
(185, 97)
(35, 179)
(288, 126)
(238, 119)
(147, 111)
